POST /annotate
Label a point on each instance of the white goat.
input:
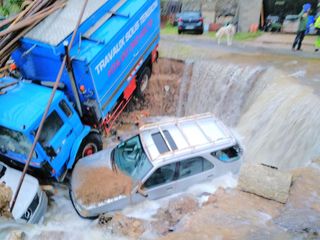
(229, 31)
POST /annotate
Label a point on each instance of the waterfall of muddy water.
(277, 117)
(281, 127)
(217, 87)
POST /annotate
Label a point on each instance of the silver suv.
(163, 159)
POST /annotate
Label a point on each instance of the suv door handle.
(169, 188)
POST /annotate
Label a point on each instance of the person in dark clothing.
(303, 18)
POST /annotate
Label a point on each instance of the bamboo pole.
(37, 17)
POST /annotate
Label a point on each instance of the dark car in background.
(190, 21)
(273, 24)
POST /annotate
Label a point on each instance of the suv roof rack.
(179, 125)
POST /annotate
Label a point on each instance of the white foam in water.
(144, 210)
(226, 181)
(147, 209)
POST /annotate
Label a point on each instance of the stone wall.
(246, 12)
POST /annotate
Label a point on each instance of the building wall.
(249, 13)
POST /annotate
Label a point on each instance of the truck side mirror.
(50, 151)
(141, 191)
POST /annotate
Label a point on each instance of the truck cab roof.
(25, 103)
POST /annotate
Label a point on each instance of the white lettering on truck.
(120, 44)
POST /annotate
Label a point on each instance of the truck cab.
(62, 133)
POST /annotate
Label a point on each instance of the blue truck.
(111, 60)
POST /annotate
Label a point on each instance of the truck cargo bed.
(114, 40)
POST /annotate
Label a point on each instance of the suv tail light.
(180, 20)
(201, 19)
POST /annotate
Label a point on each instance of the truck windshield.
(130, 158)
(14, 141)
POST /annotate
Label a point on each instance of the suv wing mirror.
(141, 191)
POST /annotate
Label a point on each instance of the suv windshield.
(14, 141)
(130, 158)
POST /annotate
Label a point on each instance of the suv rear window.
(161, 143)
(228, 154)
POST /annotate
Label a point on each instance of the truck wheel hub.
(89, 149)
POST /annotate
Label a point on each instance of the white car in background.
(32, 202)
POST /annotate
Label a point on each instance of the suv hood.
(99, 159)
(28, 190)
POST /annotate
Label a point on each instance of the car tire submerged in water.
(143, 81)
(90, 145)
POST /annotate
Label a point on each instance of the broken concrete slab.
(265, 181)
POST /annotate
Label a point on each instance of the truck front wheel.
(90, 145)
(143, 81)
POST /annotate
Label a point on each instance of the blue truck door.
(57, 136)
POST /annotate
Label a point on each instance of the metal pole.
(55, 87)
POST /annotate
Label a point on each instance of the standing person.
(317, 26)
(303, 18)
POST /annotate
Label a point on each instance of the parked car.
(273, 24)
(175, 19)
(163, 159)
(31, 204)
(190, 22)
(290, 24)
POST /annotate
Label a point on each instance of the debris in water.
(5, 198)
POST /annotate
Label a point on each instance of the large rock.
(167, 218)
(5, 198)
(121, 225)
(17, 235)
(265, 181)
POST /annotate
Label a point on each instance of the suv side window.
(162, 175)
(228, 154)
(194, 166)
(51, 126)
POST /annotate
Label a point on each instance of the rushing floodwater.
(276, 118)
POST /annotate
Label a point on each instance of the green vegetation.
(168, 29)
(247, 36)
(9, 7)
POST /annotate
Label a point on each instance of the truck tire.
(143, 81)
(90, 145)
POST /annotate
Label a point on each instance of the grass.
(241, 36)
(247, 36)
(169, 30)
